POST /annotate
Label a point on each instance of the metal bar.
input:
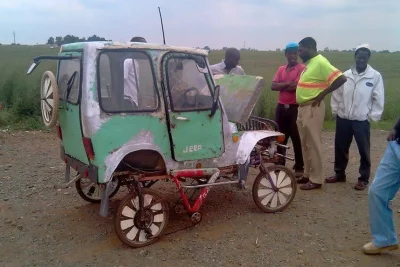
(286, 157)
(287, 147)
(189, 173)
(79, 176)
(39, 58)
(105, 200)
(212, 184)
(67, 172)
(153, 178)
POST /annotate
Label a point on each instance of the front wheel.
(271, 200)
(138, 231)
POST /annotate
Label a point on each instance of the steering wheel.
(186, 103)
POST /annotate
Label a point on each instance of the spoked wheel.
(92, 192)
(138, 231)
(49, 99)
(270, 199)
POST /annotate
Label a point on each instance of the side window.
(66, 70)
(188, 86)
(105, 76)
(126, 82)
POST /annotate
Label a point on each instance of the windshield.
(126, 82)
(188, 84)
(68, 69)
(239, 94)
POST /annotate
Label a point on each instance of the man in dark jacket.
(381, 192)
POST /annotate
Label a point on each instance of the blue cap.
(292, 46)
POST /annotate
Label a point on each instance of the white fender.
(247, 142)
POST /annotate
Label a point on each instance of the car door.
(188, 88)
(70, 71)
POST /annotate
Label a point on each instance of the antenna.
(14, 37)
(162, 25)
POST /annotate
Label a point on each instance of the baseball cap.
(365, 46)
(292, 45)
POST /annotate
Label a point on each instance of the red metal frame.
(203, 193)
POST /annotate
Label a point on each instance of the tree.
(224, 48)
(73, 39)
(278, 50)
(59, 40)
(50, 41)
(95, 38)
(207, 48)
(326, 49)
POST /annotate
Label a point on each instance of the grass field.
(19, 93)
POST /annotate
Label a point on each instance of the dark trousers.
(286, 117)
(345, 130)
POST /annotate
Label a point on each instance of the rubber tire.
(53, 80)
(118, 229)
(84, 197)
(257, 182)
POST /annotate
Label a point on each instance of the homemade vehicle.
(132, 114)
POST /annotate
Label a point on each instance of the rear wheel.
(92, 192)
(269, 200)
(138, 231)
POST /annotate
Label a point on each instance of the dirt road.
(44, 226)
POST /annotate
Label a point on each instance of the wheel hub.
(145, 221)
(196, 217)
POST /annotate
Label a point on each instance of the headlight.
(280, 138)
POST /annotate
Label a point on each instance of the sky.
(260, 24)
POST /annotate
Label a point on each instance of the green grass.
(20, 94)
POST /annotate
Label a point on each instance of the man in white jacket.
(356, 102)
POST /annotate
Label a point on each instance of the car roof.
(126, 45)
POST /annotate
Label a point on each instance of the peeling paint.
(144, 140)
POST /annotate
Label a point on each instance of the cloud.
(262, 24)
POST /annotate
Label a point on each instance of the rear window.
(126, 82)
(67, 69)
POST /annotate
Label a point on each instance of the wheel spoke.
(45, 88)
(147, 199)
(274, 201)
(265, 182)
(282, 198)
(50, 102)
(49, 90)
(131, 235)
(125, 224)
(46, 107)
(281, 177)
(156, 206)
(154, 229)
(264, 192)
(159, 217)
(267, 199)
(287, 181)
(128, 212)
(287, 190)
(135, 203)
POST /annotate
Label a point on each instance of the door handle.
(180, 118)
